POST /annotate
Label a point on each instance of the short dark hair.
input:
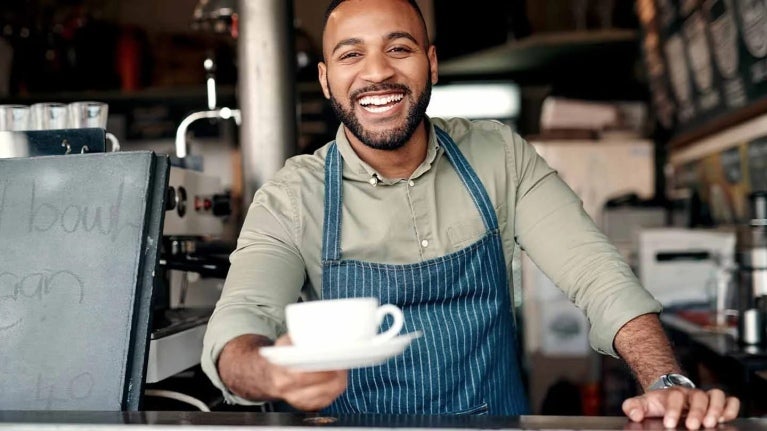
(335, 3)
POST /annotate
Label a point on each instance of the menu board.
(706, 60)
(78, 252)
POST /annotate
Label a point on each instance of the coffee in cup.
(338, 322)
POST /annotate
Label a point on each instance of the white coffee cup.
(338, 322)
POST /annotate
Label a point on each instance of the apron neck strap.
(470, 180)
(331, 235)
(331, 240)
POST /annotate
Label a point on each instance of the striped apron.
(466, 362)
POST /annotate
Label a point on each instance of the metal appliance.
(52, 142)
(192, 253)
(687, 266)
(752, 272)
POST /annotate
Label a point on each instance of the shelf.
(540, 52)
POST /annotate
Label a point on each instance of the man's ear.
(433, 66)
(322, 72)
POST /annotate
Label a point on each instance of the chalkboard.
(78, 249)
(706, 62)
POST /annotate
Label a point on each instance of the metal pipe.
(267, 90)
(223, 113)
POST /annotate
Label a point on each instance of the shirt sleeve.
(267, 272)
(559, 236)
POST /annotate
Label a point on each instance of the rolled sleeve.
(567, 246)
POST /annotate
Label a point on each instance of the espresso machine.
(193, 255)
(751, 255)
(193, 264)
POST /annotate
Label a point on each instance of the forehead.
(364, 19)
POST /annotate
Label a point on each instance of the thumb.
(283, 341)
(635, 408)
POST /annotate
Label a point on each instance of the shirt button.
(373, 181)
(424, 243)
(411, 183)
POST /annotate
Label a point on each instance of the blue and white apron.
(466, 362)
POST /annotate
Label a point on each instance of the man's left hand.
(706, 408)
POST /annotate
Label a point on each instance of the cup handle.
(113, 140)
(399, 320)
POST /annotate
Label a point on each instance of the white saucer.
(337, 358)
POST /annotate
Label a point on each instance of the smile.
(380, 103)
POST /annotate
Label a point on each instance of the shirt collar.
(356, 169)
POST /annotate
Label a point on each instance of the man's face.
(377, 71)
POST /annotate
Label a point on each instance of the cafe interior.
(654, 112)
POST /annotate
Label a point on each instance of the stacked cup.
(53, 116)
(14, 117)
(88, 114)
(48, 116)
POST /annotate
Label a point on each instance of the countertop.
(51, 420)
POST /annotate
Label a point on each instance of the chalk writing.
(79, 387)
(5, 327)
(37, 286)
(45, 216)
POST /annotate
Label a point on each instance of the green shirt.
(428, 215)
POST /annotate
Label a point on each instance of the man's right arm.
(267, 273)
(249, 375)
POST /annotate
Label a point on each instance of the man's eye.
(349, 55)
(400, 51)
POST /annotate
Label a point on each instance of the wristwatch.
(670, 380)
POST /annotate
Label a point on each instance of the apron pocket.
(476, 410)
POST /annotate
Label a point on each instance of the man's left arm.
(644, 346)
(557, 234)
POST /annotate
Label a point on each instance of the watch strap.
(671, 380)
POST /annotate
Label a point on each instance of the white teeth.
(377, 109)
(380, 100)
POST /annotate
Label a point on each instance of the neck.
(393, 164)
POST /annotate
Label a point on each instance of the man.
(426, 214)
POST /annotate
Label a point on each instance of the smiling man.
(427, 214)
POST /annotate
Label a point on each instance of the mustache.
(386, 86)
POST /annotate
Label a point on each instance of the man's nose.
(377, 68)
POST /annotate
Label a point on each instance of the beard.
(389, 139)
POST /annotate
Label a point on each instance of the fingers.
(283, 341)
(307, 390)
(318, 396)
(303, 390)
(716, 407)
(710, 408)
(635, 408)
(731, 409)
(702, 409)
(698, 402)
(676, 400)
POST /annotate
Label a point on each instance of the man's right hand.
(249, 375)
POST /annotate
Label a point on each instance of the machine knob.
(222, 205)
(170, 199)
